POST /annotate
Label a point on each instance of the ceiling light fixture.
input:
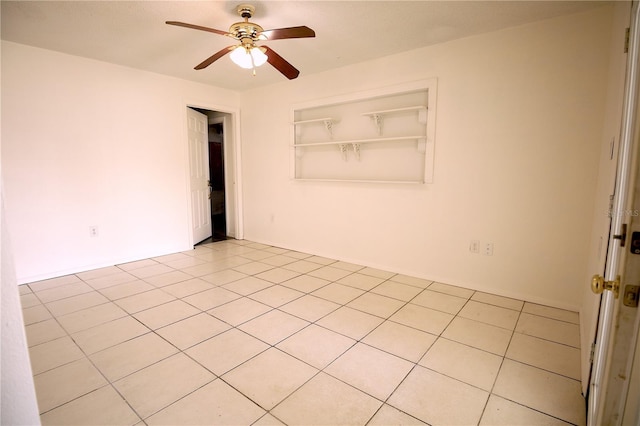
(248, 56)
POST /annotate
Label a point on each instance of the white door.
(199, 175)
(621, 203)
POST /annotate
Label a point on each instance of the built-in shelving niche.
(384, 135)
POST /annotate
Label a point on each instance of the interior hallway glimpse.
(240, 333)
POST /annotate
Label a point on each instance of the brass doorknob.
(598, 285)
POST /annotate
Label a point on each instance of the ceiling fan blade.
(197, 27)
(211, 59)
(279, 63)
(291, 32)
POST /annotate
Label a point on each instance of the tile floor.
(240, 333)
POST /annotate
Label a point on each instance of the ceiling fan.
(248, 54)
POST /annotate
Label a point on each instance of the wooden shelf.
(359, 141)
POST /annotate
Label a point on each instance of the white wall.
(87, 143)
(518, 136)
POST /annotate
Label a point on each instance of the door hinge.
(626, 39)
(622, 236)
(592, 353)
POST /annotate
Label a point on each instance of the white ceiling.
(134, 33)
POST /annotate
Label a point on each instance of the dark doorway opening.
(216, 173)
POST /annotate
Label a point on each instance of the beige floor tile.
(439, 400)
(268, 420)
(240, 311)
(204, 269)
(316, 345)
(376, 304)
(371, 370)
(490, 314)
(24, 289)
(53, 282)
(130, 288)
(451, 290)
(130, 266)
(280, 374)
(53, 353)
(161, 384)
(553, 313)
(277, 275)
(388, 415)
(422, 318)
(168, 278)
(91, 317)
(479, 335)
(111, 280)
(541, 390)
(404, 292)
(549, 329)
(141, 301)
(379, 273)
(216, 403)
(248, 285)
(65, 383)
(226, 350)
(350, 322)
(35, 314)
(440, 301)
(257, 255)
(278, 260)
(405, 342)
(492, 299)
(128, 357)
(108, 334)
(276, 296)
(297, 254)
(352, 267)
(29, 300)
(63, 291)
(361, 281)
(502, 412)
(302, 266)
(416, 282)
(76, 303)
(99, 273)
(551, 356)
(327, 401)
(43, 331)
(329, 273)
(275, 250)
(274, 326)
(193, 330)
(321, 260)
(470, 365)
(100, 407)
(253, 268)
(171, 257)
(150, 271)
(223, 277)
(212, 298)
(185, 263)
(305, 283)
(338, 293)
(187, 288)
(168, 313)
(309, 307)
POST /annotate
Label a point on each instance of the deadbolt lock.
(598, 285)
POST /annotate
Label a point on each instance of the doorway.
(217, 181)
(219, 155)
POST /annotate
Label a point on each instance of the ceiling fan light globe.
(241, 57)
(259, 57)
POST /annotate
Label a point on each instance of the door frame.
(236, 157)
(615, 254)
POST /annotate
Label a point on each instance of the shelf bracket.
(378, 120)
(356, 150)
(343, 150)
(328, 124)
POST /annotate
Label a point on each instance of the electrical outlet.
(487, 249)
(474, 246)
(93, 231)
